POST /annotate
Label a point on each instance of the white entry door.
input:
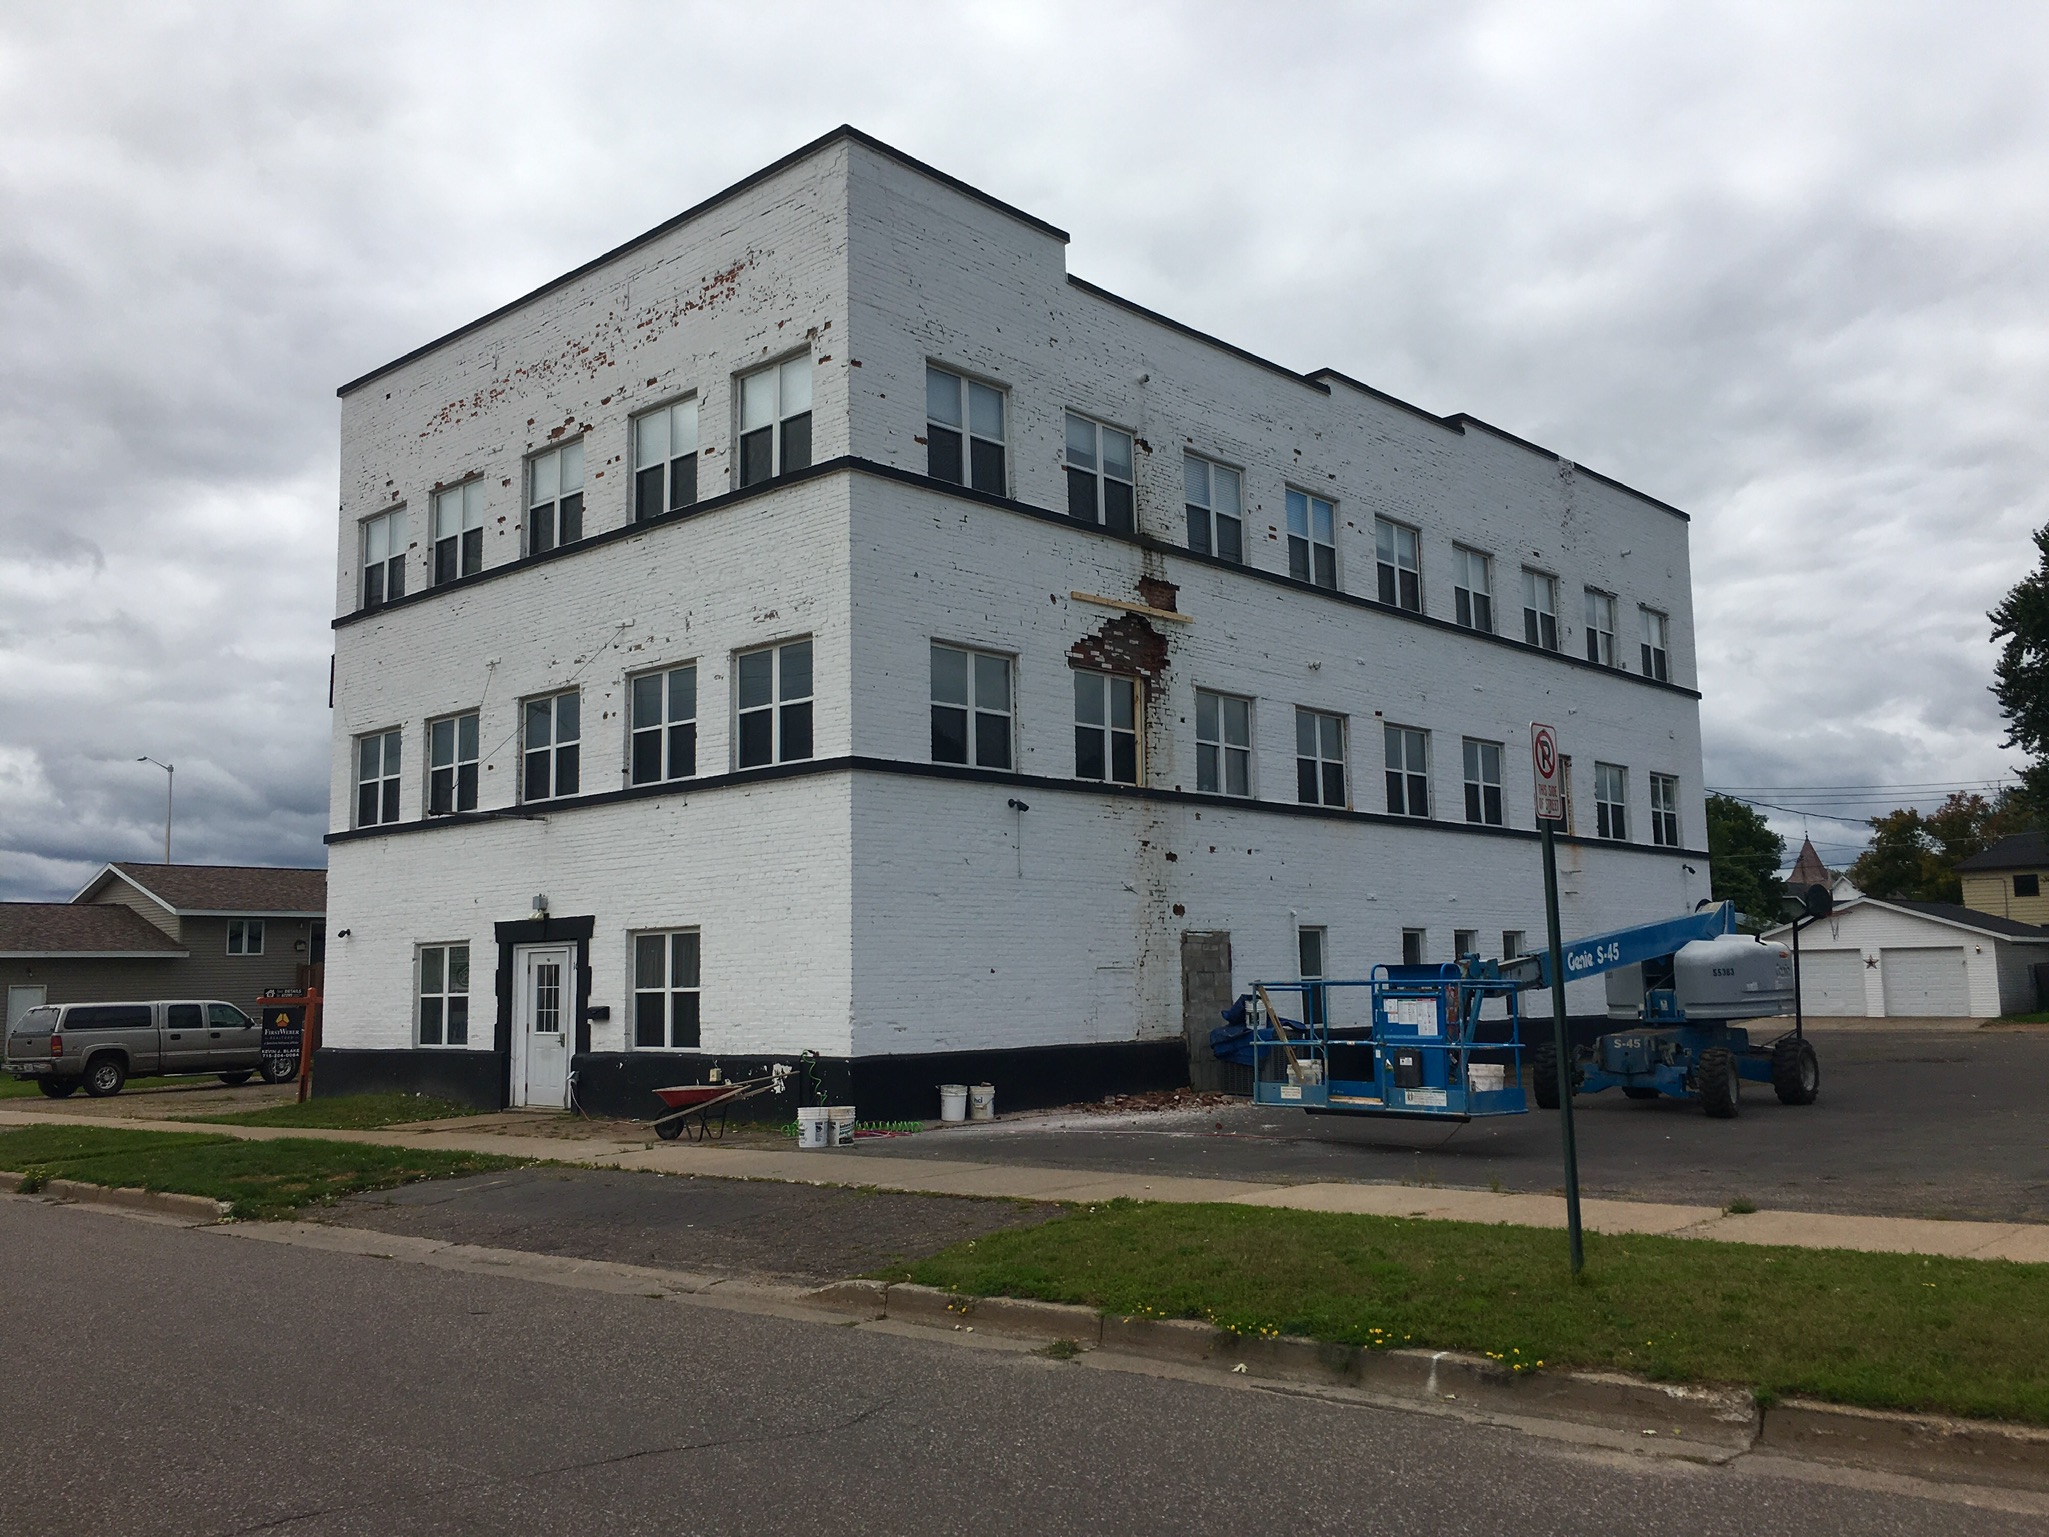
(542, 1024)
(21, 999)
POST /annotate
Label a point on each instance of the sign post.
(1550, 812)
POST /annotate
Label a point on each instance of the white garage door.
(1925, 982)
(1832, 982)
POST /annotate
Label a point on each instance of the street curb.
(164, 1203)
(1721, 1422)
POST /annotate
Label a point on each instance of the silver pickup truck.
(62, 1047)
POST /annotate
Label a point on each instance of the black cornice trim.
(1037, 783)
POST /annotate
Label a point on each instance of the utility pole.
(170, 784)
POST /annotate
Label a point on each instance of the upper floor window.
(774, 698)
(664, 460)
(1105, 727)
(1655, 661)
(663, 730)
(2027, 885)
(970, 707)
(665, 990)
(444, 995)
(245, 936)
(553, 747)
(1473, 588)
(1540, 609)
(1319, 758)
(1100, 479)
(377, 764)
(554, 498)
(775, 420)
(1399, 560)
(1216, 519)
(1600, 627)
(452, 764)
(458, 531)
(1611, 801)
(1665, 810)
(384, 558)
(1223, 743)
(1408, 772)
(964, 432)
(1312, 539)
(1483, 782)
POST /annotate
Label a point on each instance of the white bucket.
(982, 1102)
(812, 1126)
(1487, 1077)
(839, 1121)
(953, 1102)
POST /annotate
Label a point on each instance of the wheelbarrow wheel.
(670, 1129)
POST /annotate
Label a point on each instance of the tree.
(1744, 856)
(2022, 673)
(1898, 862)
(1916, 856)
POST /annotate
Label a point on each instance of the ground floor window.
(245, 936)
(444, 995)
(1309, 948)
(665, 990)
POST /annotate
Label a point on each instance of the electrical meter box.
(1733, 977)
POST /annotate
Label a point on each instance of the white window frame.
(1223, 745)
(456, 521)
(1656, 645)
(1317, 732)
(390, 760)
(670, 738)
(1665, 810)
(1601, 627)
(1100, 693)
(554, 497)
(1611, 812)
(462, 753)
(1313, 539)
(985, 703)
(680, 982)
(665, 459)
(385, 532)
(245, 936)
(789, 712)
(1214, 495)
(1415, 947)
(560, 755)
(1473, 589)
(975, 414)
(1403, 745)
(1312, 968)
(1540, 609)
(1464, 942)
(774, 399)
(1483, 793)
(1398, 565)
(1514, 942)
(443, 996)
(1092, 480)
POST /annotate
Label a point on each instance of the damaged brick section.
(1158, 593)
(1125, 643)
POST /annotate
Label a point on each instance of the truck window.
(181, 1016)
(36, 1021)
(107, 1016)
(225, 1016)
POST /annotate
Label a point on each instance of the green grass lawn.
(262, 1179)
(19, 1088)
(1887, 1331)
(345, 1112)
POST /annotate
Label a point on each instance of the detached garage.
(1896, 959)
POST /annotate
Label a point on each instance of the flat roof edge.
(1098, 291)
(1465, 420)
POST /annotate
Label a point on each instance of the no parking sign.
(1544, 766)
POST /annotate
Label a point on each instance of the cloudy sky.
(1783, 266)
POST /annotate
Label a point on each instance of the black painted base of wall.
(473, 1078)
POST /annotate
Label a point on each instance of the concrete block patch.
(1921, 1445)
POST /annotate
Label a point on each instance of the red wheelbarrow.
(696, 1102)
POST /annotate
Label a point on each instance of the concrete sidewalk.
(2024, 1242)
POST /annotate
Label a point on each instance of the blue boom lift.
(1421, 1041)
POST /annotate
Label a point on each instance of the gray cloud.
(1779, 267)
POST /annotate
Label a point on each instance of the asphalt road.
(1950, 1124)
(167, 1380)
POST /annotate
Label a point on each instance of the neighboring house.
(1883, 959)
(2011, 878)
(165, 931)
(824, 624)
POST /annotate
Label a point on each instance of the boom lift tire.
(1544, 1076)
(1631, 1091)
(1716, 1075)
(1796, 1073)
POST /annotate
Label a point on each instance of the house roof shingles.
(2016, 851)
(1956, 912)
(67, 928)
(252, 889)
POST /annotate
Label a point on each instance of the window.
(970, 707)
(1099, 475)
(377, 758)
(964, 432)
(1319, 758)
(1513, 944)
(665, 990)
(1223, 743)
(1408, 772)
(663, 730)
(458, 531)
(1565, 790)
(1216, 517)
(1656, 664)
(774, 704)
(1665, 810)
(1483, 782)
(1105, 727)
(1473, 592)
(553, 748)
(1309, 948)
(452, 765)
(554, 498)
(2027, 885)
(245, 936)
(775, 420)
(665, 460)
(384, 559)
(1600, 628)
(1396, 554)
(1414, 944)
(1465, 942)
(1312, 539)
(1611, 801)
(1540, 609)
(225, 1016)
(444, 995)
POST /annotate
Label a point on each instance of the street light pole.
(170, 784)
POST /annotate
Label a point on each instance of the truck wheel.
(241, 1076)
(1544, 1076)
(1716, 1075)
(105, 1075)
(1631, 1091)
(280, 1071)
(58, 1088)
(1796, 1073)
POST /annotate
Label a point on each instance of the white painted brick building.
(841, 887)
